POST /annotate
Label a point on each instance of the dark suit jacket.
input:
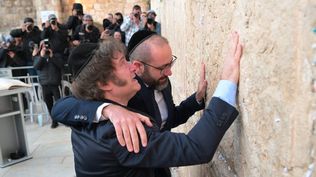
(98, 153)
(74, 112)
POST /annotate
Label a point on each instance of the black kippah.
(138, 38)
(80, 57)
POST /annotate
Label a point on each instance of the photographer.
(12, 54)
(49, 66)
(57, 35)
(87, 32)
(29, 34)
(132, 23)
(76, 18)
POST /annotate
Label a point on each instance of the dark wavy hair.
(99, 70)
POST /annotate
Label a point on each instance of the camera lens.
(29, 27)
(47, 53)
(89, 27)
(136, 15)
(53, 22)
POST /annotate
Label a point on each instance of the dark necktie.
(156, 109)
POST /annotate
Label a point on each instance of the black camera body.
(47, 47)
(32, 45)
(136, 15)
(29, 27)
(89, 27)
(53, 22)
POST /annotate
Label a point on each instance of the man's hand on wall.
(201, 91)
(231, 66)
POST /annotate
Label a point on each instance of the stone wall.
(11, 12)
(14, 11)
(275, 134)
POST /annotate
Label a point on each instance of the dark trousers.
(50, 92)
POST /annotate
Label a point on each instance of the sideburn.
(119, 82)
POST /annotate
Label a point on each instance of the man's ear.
(139, 67)
(105, 87)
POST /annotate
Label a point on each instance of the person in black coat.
(97, 149)
(87, 32)
(56, 34)
(31, 35)
(76, 18)
(49, 66)
(13, 55)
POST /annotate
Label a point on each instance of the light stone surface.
(275, 132)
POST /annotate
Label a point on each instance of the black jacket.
(84, 36)
(50, 69)
(72, 23)
(34, 35)
(58, 40)
(67, 112)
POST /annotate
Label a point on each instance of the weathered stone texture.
(275, 132)
(11, 12)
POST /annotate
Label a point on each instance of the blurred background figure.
(12, 54)
(132, 23)
(151, 14)
(30, 35)
(86, 32)
(76, 18)
(49, 66)
(118, 36)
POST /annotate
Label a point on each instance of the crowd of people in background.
(46, 49)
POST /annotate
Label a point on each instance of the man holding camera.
(132, 23)
(30, 34)
(56, 33)
(51, 60)
(49, 66)
(76, 18)
(87, 32)
(12, 54)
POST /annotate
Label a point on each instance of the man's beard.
(159, 84)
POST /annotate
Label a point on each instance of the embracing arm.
(169, 149)
(74, 112)
(128, 125)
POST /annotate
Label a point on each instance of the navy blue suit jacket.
(74, 112)
(98, 153)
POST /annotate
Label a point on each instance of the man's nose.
(167, 71)
(132, 68)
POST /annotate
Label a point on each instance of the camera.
(29, 27)
(136, 15)
(89, 27)
(53, 22)
(47, 47)
(32, 45)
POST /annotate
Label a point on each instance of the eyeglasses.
(164, 67)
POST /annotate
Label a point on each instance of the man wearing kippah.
(152, 57)
(97, 151)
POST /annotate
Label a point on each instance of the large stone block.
(273, 135)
